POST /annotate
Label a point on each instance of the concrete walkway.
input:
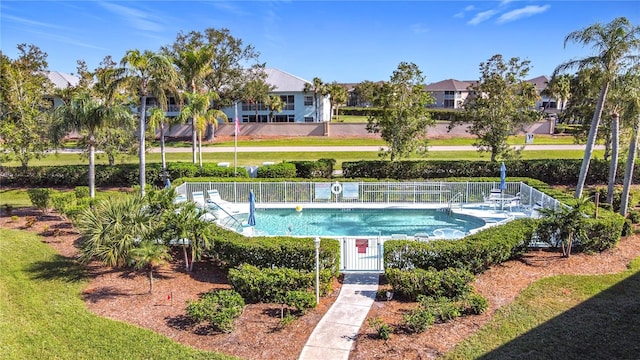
(336, 332)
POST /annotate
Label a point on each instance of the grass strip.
(567, 317)
(42, 315)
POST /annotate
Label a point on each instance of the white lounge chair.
(180, 199)
(215, 202)
(198, 198)
(214, 196)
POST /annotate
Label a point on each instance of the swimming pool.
(363, 222)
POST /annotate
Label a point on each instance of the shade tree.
(402, 119)
(24, 105)
(503, 103)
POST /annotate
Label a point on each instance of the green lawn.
(257, 158)
(564, 317)
(42, 315)
(322, 141)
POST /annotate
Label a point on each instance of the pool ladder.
(457, 198)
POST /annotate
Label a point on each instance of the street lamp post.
(316, 242)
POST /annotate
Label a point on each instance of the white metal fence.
(416, 192)
(365, 253)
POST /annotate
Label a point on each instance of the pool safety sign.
(362, 245)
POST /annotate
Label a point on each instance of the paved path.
(230, 149)
(336, 332)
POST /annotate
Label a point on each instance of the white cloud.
(466, 9)
(141, 20)
(31, 22)
(482, 16)
(230, 7)
(524, 12)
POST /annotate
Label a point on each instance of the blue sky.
(343, 41)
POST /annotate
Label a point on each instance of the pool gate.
(361, 254)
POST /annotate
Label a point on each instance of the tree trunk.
(162, 153)
(628, 171)
(92, 166)
(150, 280)
(194, 140)
(193, 256)
(141, 126)
(200, 148)
(186, 257)
(613, 165)
(193, 126)
(593, 133)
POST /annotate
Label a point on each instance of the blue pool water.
(363, 222)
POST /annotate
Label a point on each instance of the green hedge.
(233, 250)
(552, 171)
(603, 233)
(281, 170)
(121, 175)
(409, 284)
(323, 168)
(474, 253)
(272, 285)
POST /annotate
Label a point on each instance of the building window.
(288, 101)
(308, 100)
(284, 118)
(308, 119)
(449, 103)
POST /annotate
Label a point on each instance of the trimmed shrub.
(220, 308)
(268, 285)
(418, 320)
(301, 300)
(61, 201)
(282, 170)
(412, 284)
(475, 253)
(233, 250)
(322, 168)
(40, 198)
(213, 170)
(82, 192)
(475, 304)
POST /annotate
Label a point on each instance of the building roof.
(540, 82)
(450, 85)
(62, 80)
(283, 81)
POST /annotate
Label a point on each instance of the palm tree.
(152, 74)
(112, 228)
(613, 164)
(149, 255)
(564, 225)
(274, 104)
(632, 110)
(616, 44)
(338, 96)
(255, 92)
(157, 121)
(319, 89)
(190, 230)
(199, 110)
(194, 66)
(85, 112)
